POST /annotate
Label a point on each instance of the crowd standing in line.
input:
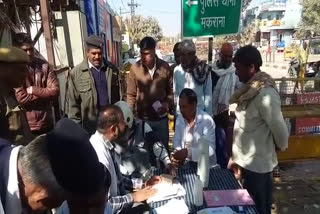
(89, 163)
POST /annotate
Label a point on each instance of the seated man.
(110, 127)
(192, 125)
(84, 179)
(61, 165)
(140, 149)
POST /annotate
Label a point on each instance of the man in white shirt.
(192, 126)
(110, 127)
(259, 129)
(194, 74)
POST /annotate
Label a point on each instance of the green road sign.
(210, 17)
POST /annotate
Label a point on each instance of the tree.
(139, 27)
(310, 19)
(245, 4)
(246, 37)
(152, 28)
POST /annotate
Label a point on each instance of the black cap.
(73, 160)
(94, 41)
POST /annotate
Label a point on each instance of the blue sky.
(167, 12)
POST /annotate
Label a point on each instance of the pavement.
(298, 190)
(276, 67)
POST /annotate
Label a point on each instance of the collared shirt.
(103, 149)
(13, 201)
(101, 84)
(151, 71)
(187, 136)
(92, 66)
(182, 80)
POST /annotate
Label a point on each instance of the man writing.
(110, 127)
(93, 84)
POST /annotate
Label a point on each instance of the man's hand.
(29, 90)
(143, 194)
(164, 109)
(235, 168)
(153, 181)
(178, 158)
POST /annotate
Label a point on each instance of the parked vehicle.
(290, 53)
(169, 58)
(280, 46)
(294, 68)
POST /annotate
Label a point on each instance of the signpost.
(210, 17)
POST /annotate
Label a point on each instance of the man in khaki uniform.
(13, 124)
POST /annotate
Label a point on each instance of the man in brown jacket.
(39, 90)
(149, 91)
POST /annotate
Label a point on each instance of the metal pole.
(210, 50)
(47, 31)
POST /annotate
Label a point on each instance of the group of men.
(89, 160)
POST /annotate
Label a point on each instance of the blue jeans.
(161, 130)
(221, 147)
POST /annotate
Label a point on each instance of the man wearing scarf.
(194, 74)
(224, 83)
(259, 129)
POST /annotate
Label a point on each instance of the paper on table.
(173, 206)
(166, 191)
(219, 210)
(218, 198)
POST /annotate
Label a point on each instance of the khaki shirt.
(13, 123)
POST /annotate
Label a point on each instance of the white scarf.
(224, 88)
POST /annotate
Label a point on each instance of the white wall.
(287, 37)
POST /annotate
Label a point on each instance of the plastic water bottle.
(198, 192)
(203, 162)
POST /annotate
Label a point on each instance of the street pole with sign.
(207, 18)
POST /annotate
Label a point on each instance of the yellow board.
(301, 147)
